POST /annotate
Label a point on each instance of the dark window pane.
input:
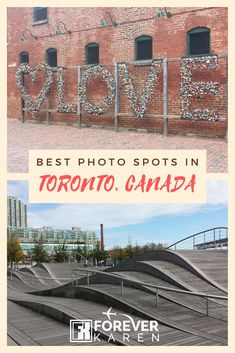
(144, 49)
(24, 57)
(92, 54)
(199, 43)
(40, 13)
(51, 56)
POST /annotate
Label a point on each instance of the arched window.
(51, 57)
(24, 57)
(92, 53)
(198, 41)
(143, 48)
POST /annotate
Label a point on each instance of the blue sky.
(135, 223)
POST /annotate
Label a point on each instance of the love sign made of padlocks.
(139, 104)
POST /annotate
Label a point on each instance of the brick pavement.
(23, 137)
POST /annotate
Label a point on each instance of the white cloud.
(115, 215)
(217, 192)
(18, 189)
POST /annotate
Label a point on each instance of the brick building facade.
(71, 31)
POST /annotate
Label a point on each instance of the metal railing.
(213, 238)
(121, 280)
(116, 112)
(35, 277)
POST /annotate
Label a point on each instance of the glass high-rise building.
(16, 212)
(52, 237)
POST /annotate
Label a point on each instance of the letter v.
(139, 104)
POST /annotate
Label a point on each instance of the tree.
(119, 254)
(61, 254)
(14, 251)
(98, 254)
(116, 254)
(153, 247)
(39, 254)
(83, 253)
(129, 252)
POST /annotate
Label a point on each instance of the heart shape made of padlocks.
(34, 105)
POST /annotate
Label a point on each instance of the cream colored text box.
(117, 176)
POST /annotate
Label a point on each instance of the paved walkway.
(23, 137)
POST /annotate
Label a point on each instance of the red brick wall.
(117, 44)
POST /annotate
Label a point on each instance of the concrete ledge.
(184, 262)
(98, 296)
(19, 337)
(58, 313)
(171, 256)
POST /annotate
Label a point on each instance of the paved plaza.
(23, 137)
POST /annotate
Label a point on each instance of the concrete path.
(23, 137)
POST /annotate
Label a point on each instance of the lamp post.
(58, 31)
(104, 22)
(23, 36)
(163, 13)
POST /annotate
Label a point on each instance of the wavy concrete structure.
(183, 319)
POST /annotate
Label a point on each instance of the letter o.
(107, 325)
(52, 180)
(109, 179)
(88, 75)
